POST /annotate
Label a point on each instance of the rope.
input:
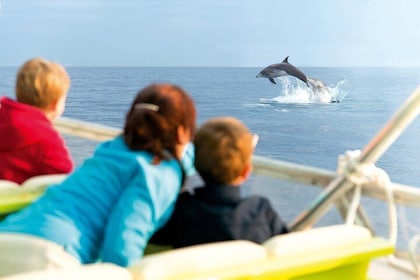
(414, 242)
(361, 174)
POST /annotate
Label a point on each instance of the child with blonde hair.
(29, 144)
(216, 211)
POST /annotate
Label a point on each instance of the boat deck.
(381, 269)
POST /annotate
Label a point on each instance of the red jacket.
(29, 144)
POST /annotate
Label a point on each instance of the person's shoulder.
(9, 102)
(38, 131)
(22, 109)
(115, 145)
(257, 201)
(115, 152)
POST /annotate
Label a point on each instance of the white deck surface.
(380, 269)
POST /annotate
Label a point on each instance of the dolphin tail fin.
(272, 80)
(285, 60)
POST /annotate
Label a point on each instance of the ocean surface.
(293, 123)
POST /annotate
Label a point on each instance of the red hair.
(154, 117)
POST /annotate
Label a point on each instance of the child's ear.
(247, 170)
(243, 176)
(183, 135)
(56, 108)
(50, 110)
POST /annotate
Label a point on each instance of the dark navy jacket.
(218, 213)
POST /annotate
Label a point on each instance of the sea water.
(293, 123)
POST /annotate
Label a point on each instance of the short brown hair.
(154, 117)
(223, 148)
(40, 82)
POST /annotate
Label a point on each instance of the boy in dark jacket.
(216, 211)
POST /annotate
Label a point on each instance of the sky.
(239, 33)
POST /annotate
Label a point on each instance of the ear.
(56, 108)
(183, 135)
(247, 171)
(50, 110)
(244, 175)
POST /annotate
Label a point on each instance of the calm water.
(290, 124)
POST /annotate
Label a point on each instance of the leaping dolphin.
(321, 90)
(282, 69)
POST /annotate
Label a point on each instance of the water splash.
(293, 91)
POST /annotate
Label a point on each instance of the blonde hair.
(40, 83)
(223, 148)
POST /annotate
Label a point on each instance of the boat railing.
(299, 173)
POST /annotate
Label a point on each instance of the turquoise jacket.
(109, 207)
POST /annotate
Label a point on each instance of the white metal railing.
(404, 195)
(87, 130)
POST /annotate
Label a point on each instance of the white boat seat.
(102, 271)
(14, 196)
(198, 260)
(286, 256)
(7, 186)
(22, 253)
(41, 182)
(311, 242)
(333, 252)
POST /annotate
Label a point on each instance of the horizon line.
(228, 66)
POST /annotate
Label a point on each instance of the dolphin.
(282, 69)
(317, 85)
(320, 89)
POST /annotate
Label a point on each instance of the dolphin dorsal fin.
(285, 60)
